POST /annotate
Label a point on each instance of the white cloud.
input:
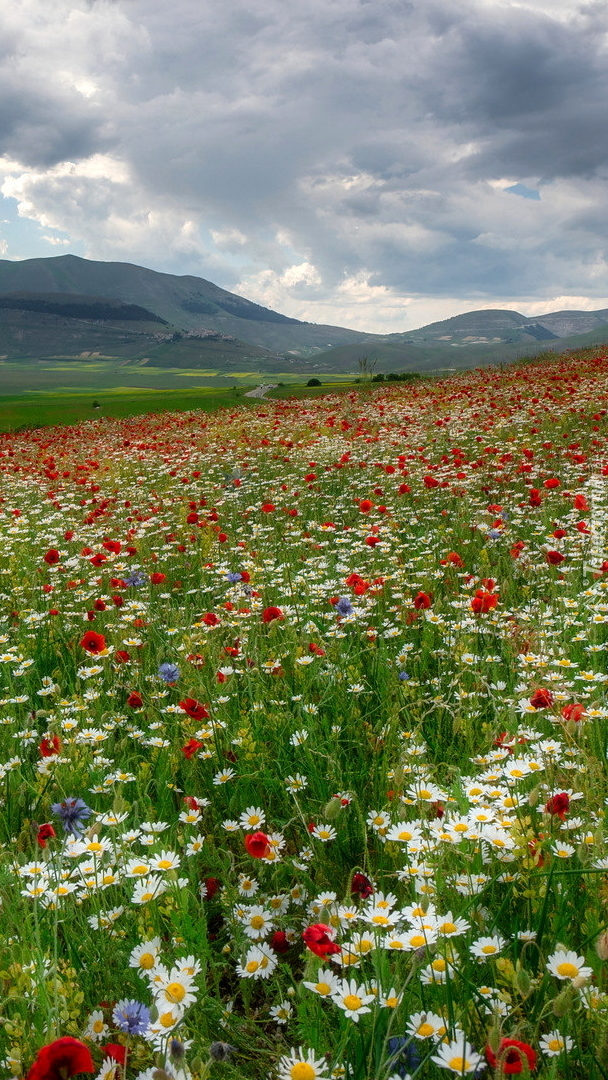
(345, 162)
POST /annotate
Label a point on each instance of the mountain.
(69, 308)
(187, 303)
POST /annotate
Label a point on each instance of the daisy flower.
(300, 1065)
(554, 1044)
(353, 999)
(565, 964)
(457, 1056)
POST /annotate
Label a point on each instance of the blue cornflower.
(233, 576)
(136, 578)
(403, 1055)
(344, 606)
(73, 812)
(168, 673)
(493, 534)
(131, 1016)
(403, 676)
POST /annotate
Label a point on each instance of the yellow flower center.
(140, 869)
(458, 1064)
(256, 922)
(302, 1071)
(382, 920)
(391, 1002)
(396, 944)
(439, 964)
(488, 949)
(146, 960)
(165, 864)
(175, 991)
(365, 945)
(425, 1030)
(569, 971)
(323, 988)
(461, 827)
(417, 941)
(147, 896)
(555, 1044)
(448, 928)
(252, 966)
(353, 1001)
(97, 1025)
(405, 835)
(167, 1020)
(95, 846)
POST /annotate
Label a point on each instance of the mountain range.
(67, 307)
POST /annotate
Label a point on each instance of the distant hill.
(71, 308)
(187, 303)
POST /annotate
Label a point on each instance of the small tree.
(366, 367)
(314, 382)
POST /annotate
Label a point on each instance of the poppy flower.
(558, 805)
(541, 698)
(45, 833)
(511, 1057)
(318, 938)
(157, 578)
(279, 942)
(192, 747)
(193, 708)
(361, 886)
(93, 642)
(115, 1051)
(554, 558)
(483, 602)
(365, 505)
(269, 614)
(257, 844)
(135, 700)
(61, 1059)
(49, 746)
(211, 885)
(422, 601)
(52, 557)
(573, 711)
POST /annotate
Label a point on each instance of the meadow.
(303, 736)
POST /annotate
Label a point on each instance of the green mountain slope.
(187, 303)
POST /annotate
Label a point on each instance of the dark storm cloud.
(352, 137)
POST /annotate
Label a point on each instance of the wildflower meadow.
(303, 735)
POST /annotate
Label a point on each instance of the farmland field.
(303, 736)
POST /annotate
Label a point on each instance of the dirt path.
(260, 390)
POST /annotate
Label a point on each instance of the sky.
(377, 164)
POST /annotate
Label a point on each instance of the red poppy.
(135, 700)
(279, 942)
(541, 698)
(60, 1059)
(114, 546)
(115, 1051)
(483, 602)
(580, 503)
(98, 559)
(49, 746)
(194, 708)
(191, 747)
(552, 483)
(257, 844)
(157, 578)
(573, 712)
(318, 938)
(211, 886)
(554, 558)
(210, 619)
(365, 505)
(453, 559)
(122, 656)
(422, 601)
(52, 557)
(269, 614)
(361, 886)
(558, 805)
(45, 833)
(511, 1057)
(267, 508)
(93, 642)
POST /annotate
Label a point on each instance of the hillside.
(187, 303)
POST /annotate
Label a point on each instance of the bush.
(314, 382)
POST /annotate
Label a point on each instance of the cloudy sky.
(369, 163)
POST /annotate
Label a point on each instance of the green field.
(33, 395)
